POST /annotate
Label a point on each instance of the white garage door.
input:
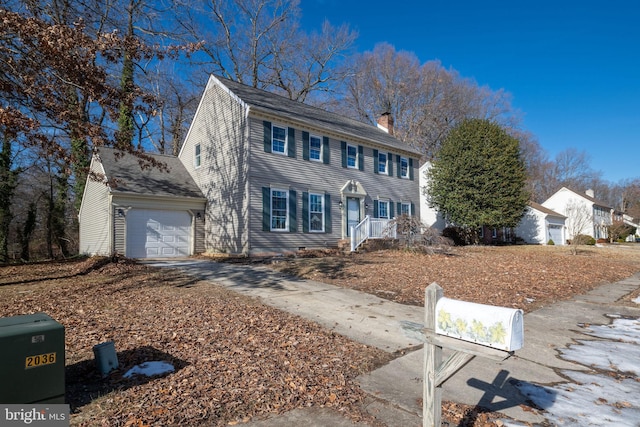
(158, 234)
(555, 234)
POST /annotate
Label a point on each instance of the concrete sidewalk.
(395, 390)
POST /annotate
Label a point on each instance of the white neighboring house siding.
(536, 228)
(219, 126)
(94, 217)
(428, 215)
(594, 226)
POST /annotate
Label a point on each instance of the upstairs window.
(196, 160)
(404, 167)
(382, 163)
(278, 139)
(315, 148)
(352, 156)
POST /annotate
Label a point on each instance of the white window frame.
(405, 206)
(354, 157)
(284, 142)
(197, 156)
(404, 167)
(383, 167)
(320, 212)
(286, 210)
(387, 213)
(312, 150)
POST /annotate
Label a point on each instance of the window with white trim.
(352, 156)
(278, 139)
(404, 167)
(315, 148)
(382, 163)
(197, 158)
(383, 209)
(316, 212)
(279, 210)
(405, 208)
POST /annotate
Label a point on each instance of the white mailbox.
(497, 327)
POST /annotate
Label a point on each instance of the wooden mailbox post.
(469, 330)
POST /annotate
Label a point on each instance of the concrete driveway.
(396, 389)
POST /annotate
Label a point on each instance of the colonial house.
(541, 225)
(267, 175)
(585, 215)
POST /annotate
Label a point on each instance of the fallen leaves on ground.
(525, 277)
(235, 358)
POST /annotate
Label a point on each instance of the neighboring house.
(540, 224)
(140, 212)
(257, 174)
(428, 215)
(280, 175)
(585, 214)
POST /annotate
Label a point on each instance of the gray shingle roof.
(152, 181)
(259, 99)
(545, 210)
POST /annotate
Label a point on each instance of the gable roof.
(262, 100)
(589, 198)
(544, 210)
(131, 178)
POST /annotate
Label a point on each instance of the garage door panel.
(157, 233)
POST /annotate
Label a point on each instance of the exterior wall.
(274, 170)
(428, 215)
(583, 216)
(219, 126)
(532, 227)
(94, 217)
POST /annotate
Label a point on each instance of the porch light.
(340, 205)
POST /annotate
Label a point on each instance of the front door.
(353, 213)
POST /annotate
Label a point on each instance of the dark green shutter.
(325, 150)
(360, 157)
(291, 142)
(413, 209)
(390, 163)
(399, 208)
(305, 212)
(399, 173)
(267, 136)
(266, 209)
(305, 145)
(375, 161)
(391, 213)
(343, 149)
(411, 169)
(375, 209)
(327, 213)
(293, 217)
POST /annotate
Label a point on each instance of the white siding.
(94, 218)
(428, 215)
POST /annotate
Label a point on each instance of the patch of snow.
(637, 300)
(150, 369)
(591, 398)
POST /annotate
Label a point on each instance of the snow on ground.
(609, 395)
(637, 300)
(150, 369)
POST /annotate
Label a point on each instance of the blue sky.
(572, 67)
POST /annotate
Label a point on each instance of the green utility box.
(31, 359)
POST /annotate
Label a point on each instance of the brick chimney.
(385, 122)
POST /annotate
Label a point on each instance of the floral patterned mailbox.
(497, 327)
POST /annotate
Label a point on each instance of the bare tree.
(425, 100)
(579, 224)
(259, 43)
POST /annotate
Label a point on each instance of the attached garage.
(556, 234)
(158, 234)
(146, 213)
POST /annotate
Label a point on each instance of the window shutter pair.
(376, 205)
(376, 162)
(305, 212)
(266, 210)
(305, 147)
(343, 149)
(291, 139)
